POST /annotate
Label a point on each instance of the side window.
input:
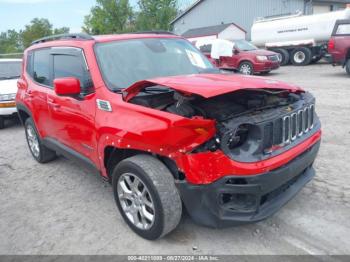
(205, 48)
(72, 65)
(343, 29)
(41, 67)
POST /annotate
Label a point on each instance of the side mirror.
(69, 86)
(235, 51)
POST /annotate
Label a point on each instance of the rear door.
(74, 117)
(39, 74)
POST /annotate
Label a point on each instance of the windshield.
(10, 70)
(123, 63)
(244, 45)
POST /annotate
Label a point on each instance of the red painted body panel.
(80, 126)
(210, 85)
(339, 48)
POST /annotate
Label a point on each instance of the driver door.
(73, 117)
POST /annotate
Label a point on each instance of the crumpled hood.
(209, 85)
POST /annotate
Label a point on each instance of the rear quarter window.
(343, 29)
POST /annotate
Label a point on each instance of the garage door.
(319, 9)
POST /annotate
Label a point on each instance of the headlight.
(8, 97)
(261, 58)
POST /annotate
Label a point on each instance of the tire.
(301, 56)
(153, 208)
(2, 122)
(40, 152)
(246, 68)
(347, 67)
(285, 56)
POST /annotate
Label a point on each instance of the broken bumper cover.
(236, 200)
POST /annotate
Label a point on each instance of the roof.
(333, 1)
(209, 30)
(195, 4)
(186, 11)
(79, 42)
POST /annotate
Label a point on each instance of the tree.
(39, 28)
(108, 17)
(156, 14)
(10, 42)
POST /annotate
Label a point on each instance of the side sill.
(69, 153)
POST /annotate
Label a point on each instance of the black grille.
(287, 129)
(273, 58)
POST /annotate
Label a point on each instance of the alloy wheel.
(136, 201)
(245, 69)
(33, 141)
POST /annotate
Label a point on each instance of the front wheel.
(246, 68)
(146, 196)
(347, 66)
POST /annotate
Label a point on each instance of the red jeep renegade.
(150, 114)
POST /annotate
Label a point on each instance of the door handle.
(29, 94)
(53, 104)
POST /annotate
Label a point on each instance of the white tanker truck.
(300, 39)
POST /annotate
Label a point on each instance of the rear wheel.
(285, 57)
(301, 56)
(146, 196)
(246, 68)
(2, 122)
(40, 152)
(347, 67)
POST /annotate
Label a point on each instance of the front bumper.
(236, 200)
(266, 66)
(7, 108)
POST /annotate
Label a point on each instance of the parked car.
(150, 114)
(10, 70)
(339, 44)
(239, 55)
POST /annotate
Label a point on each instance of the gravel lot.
(59, 208)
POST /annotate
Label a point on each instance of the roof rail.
(80, 36)
(154, 32)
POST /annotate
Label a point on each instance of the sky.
(14, 14)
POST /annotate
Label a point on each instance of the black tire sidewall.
(246, 63)
(285, 56)
(308, 56)
(2, 122)
(157, 228)
(347, 66)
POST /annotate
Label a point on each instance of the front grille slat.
(290, 127)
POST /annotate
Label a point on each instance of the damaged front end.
(252, 124)
(260, 155)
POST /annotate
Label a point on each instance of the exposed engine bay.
(252, 124)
